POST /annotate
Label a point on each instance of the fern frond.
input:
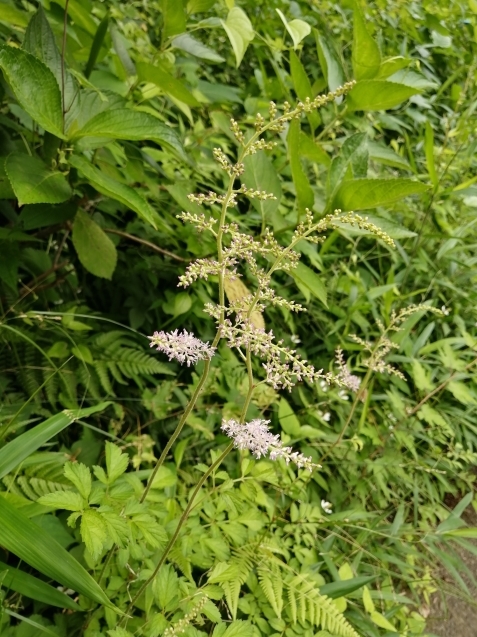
(272, 585)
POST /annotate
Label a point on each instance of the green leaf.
(34, 546)
(302, 86)
(187, 43)
(120, 44)
(174, 18)
(363, 194)
(260, 174)
(10, 252)
(67, 500)
(309, 283)
(42, 215)
(114, 189)
(124, 123)
(334, 590)
(116, 462)
(31, 622)
(11, 15)
(33, 182)
(378, 95)
(40, 42)
(429, 150)
(80, 475)
(96, 45)
(365, 55)
(239, 628)
(95, 249)
(199, 6)
(352, 160)
(13, 453)
(380, 620)
(288, 421)
(461, 392)
(240, 32)
(298, 29)
(166, 586)
(35, 87)
(17, 580)
(94, 532)
(330, 62)
(465, 532)
(166, 82)
(304, 193)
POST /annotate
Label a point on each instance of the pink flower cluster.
(184, 347)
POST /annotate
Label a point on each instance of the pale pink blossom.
(184, 347)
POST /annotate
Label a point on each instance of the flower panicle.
(183, 346)
(257, 438)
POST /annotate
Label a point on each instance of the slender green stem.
(182, 520)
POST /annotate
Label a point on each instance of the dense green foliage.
(110, 114)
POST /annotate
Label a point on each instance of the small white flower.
(295, 339)
(326, 506)
(327, 416)
(445, 310)
(256, 437)
(184, 347)
(343, 395)
(323, 386)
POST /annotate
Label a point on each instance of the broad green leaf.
(392, 65)
(309, 283)
(260, 174)
(187, 43)
(120, 45)
(166, 82)
(199, 6)
(116, 462)
(363, 194)
(429, 150)
(88, 104)
(35, 87)
(42, 215)
(298, 29)
(11, 15)
(34, 546)
(114, 189)
(39, 628)
(304, 193)
(174, 18)
(94, 532)
(40, 42)
(13, 453)
(385, 155)
(80, 12)
(378, 95)
(412, 79)
(124, 123)
(380, 620)
(95, 249)
(17, 580)
(313, 151)
(330, 62)
(335, 590)
(33, 182)
(288, 421)
(79, 475)
(352, 161)
(365, 54)
(240, 32)
(239, 628)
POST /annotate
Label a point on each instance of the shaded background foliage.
(91, 256)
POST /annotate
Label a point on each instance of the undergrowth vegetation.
(238, 318)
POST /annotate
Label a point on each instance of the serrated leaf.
(94, 532)
(239, 628)
(378, 95)
(298, 29)
(124, 123)
(33, 182)
(116, 462)
(95, 249)
(34, 546)
(365, 54)
(114, 189)
(35, 87)
(240, 32)
(363, 194)
(68, 500)
(79, 475)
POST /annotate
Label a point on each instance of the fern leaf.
(272, 585)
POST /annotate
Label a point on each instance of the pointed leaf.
(330, 62)
(309, 282)
(363, 194)
(298, 29)
(378, 95)
(35, 87)
(124, 123)
(240, 32)
(95, 249)
(366, 56)
(67, 500)
(80, 475)
(13, 453)
(304, 193)
(174, 18)
(114, 189)
(33, 182)
(34, 546)
(260, 174)
(116, 462)
(34, 588)
(166, 82)
(187, 43)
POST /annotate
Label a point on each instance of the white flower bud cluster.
(203, 268)
(344, 377)
(256, 437)
(283, 366)
(201, 222)
(184, 347)
(210, 198)
(232, 170)
(180, 626)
